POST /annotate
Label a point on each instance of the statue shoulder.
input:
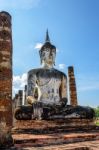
(34, 71)
(60, 73)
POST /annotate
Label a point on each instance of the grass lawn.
(97, 122)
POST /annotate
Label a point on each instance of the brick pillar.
(20, 97)
(16, 100)
(25, 95)
(72, 87)
(5, 80)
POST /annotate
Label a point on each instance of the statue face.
(48, 56)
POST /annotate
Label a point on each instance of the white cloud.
(19, 82)
(62, 66)
(57, 50)
(18, 4)
(38, 45)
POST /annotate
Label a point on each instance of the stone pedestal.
(33, 134)
(47, 126)
(5, 80)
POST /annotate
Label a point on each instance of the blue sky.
(73, 28)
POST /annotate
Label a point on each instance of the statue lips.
(50, 61)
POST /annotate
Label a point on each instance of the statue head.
(47, 53)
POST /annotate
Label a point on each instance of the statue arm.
(31, 88)
(34, 92)
(63, 89)
(31, 84)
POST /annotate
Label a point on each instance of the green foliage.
(97, 123)
(97, 112)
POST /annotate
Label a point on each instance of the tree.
(97, 112)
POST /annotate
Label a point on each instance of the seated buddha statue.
(47, 91)
(51, 82)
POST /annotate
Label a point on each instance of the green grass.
(97, 123)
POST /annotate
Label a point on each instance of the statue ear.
(40, 56)
(41, 61)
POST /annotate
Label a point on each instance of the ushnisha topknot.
(47, 45)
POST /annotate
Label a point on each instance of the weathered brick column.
(25, 95)
(20, 97)
(72, 86)
(16, 100)
(5, 80)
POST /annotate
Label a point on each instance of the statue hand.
(31, 100)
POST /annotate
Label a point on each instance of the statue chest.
(50, 89)
(49, 83)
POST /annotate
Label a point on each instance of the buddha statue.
(51, 82)
(47, 91)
